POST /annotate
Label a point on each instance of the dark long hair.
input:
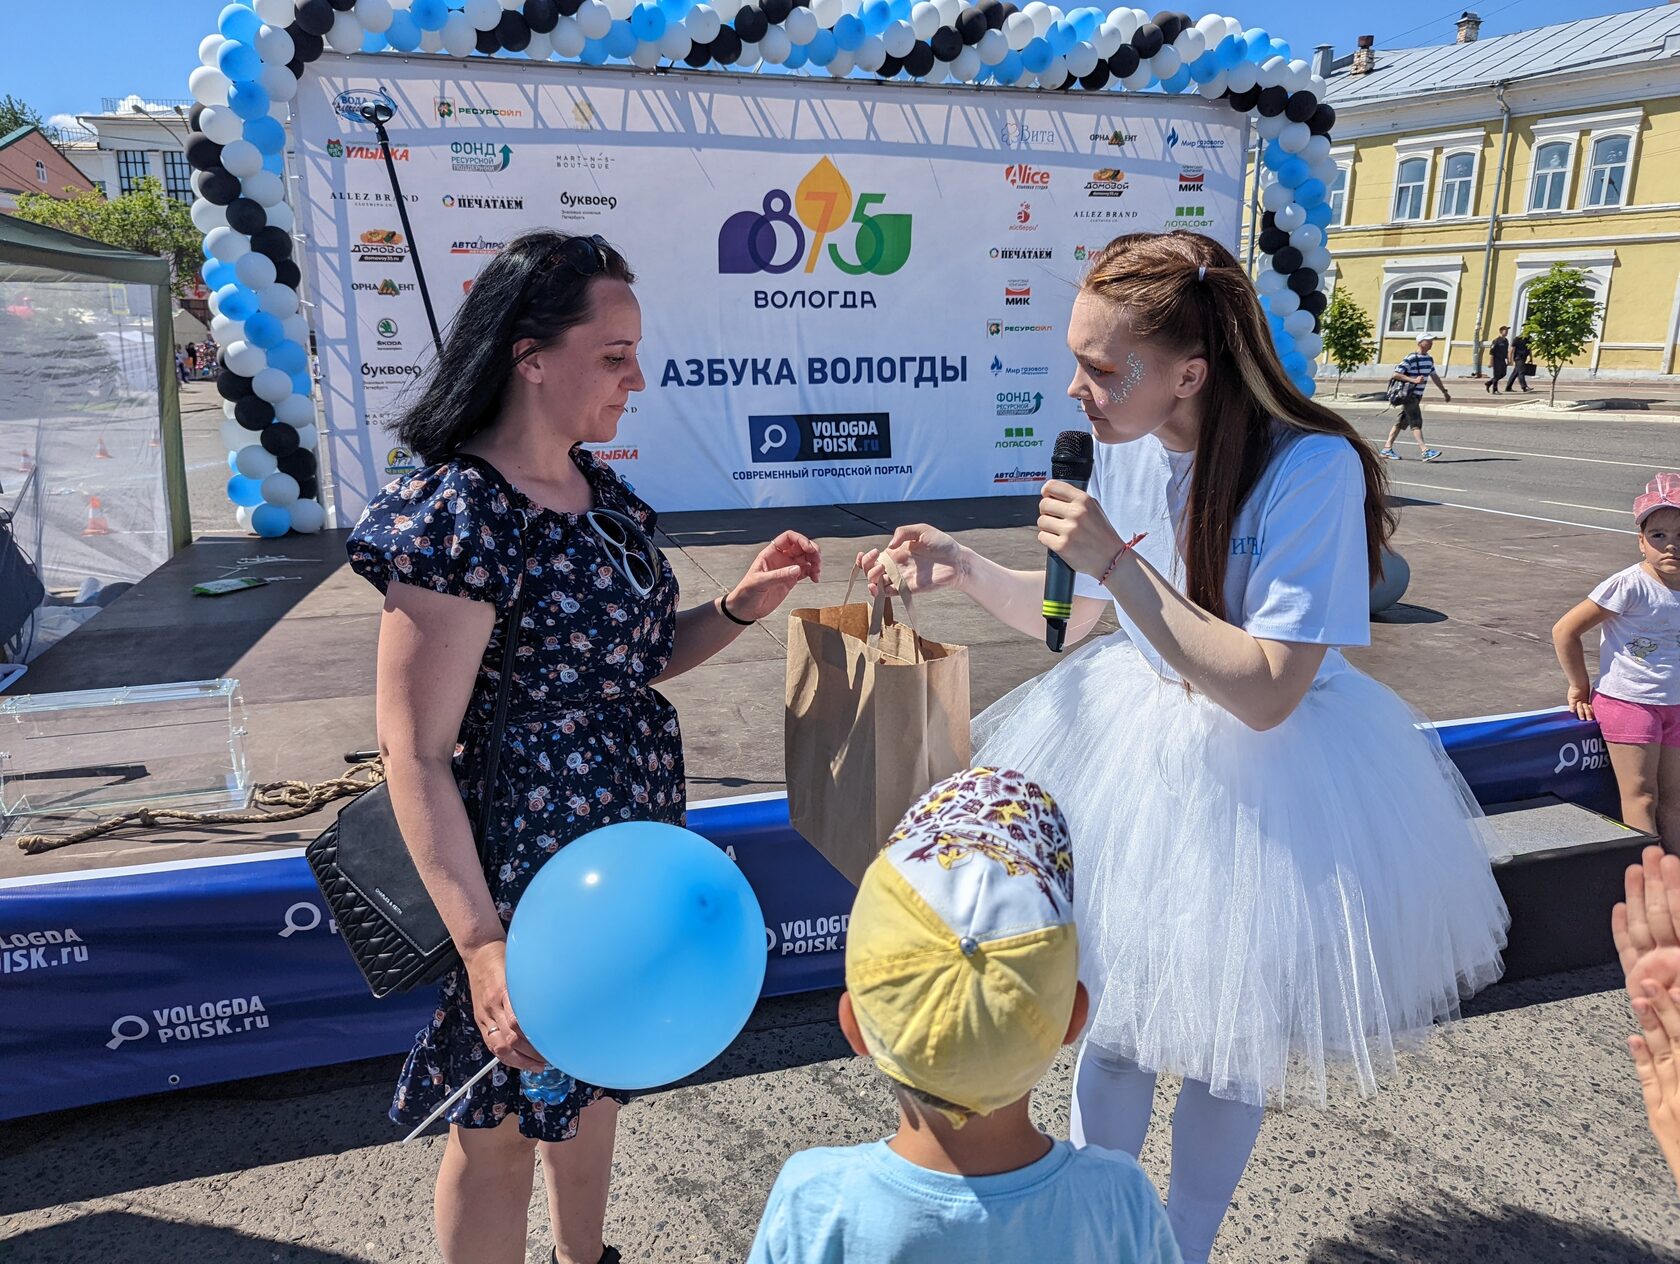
(1154, 277)
(526, 291)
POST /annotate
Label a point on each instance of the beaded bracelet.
(1125, 548)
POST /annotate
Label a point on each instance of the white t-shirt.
(1639, 657)
(1298, 569)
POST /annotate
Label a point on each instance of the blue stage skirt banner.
(124, 982)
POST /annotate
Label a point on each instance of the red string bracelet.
(1125, 548)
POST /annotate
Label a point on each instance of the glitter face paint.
(1134, 374)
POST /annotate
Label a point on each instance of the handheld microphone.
(1070, 462)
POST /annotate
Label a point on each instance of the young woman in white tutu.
(1280, 880)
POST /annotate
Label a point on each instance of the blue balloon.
(374, 42)
(267, 134)
(1178, 81)
(302, 384)
(594, 52)
(1230, 51)
(674, 10)
(235, 302)
(1310, 192)
(216, 274)
(849, 32)
(1061, 37)
(1294, 363)
(237, 22)
(797, 56)
(1280, 48)
(901, 10)
(248, 100)
(429, 15)
(1205, 67)
(270, 521)
(1274, 155)
(1085, 22)
(1292, 171)
(244, 491)
(647, 22)
(620, 41)
(1009, 69)
(1320, 215)
(674, 941)
(275, 162)
(1036, 55)
(876, 14)
(286, 356)
(822, 48)
(263, 329)
(239, 61)
(1257, 45)
(404, 31)
(233, 464)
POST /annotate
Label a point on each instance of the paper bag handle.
(883, 604)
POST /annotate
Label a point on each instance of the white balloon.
(459, 37)
(1300, 76)
(308, 517)
(233, 435)
(222, 125)
(254, 270)
(1124, 22)
(297, 411)
(263, 187)
(208, 86)
(244, 359)
(647, 55)
(568, 40)
(512, 6)
(1285, 300)
(1289, 216)
(1274, 197)
(374, 15)
(801, 26)
(1294, 137)
(280, 488)
(242, 514)
(295, 328)
(207, 215)
(1306, 237)
(675, 43)
(948, 10)
(924, 20)
(1107, 40)
(346, 35)
(1298, 322)
(242, 158)
(276, 12)
(1272, 72)
(1270, 125)
(853, 7)
(278, 82)
(1270, 282)
(620, 9)
(275, 46)
(1041, 16)
(541, 48)
(966, 65)
(1190, 44)
(226, 244)
(1165, 63)
(1318, 259)
(226, 329)
(253, 460)
(1325, 171)
(277, 300)
(776, 46)
(841, 66)
(1214, 87)
(483, 14)
(703, 23)
(272, 385)
(1243, 76)
(1208, 25)
(826, 12)
(308, 436)
(900, 38)
(431, 41)
(1138, 80)
(1081, 60)
(992, 48)
(1054, 76)
(1317, 150)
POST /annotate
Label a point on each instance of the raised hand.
(927, 558)
(782, 563)
(1646, 926)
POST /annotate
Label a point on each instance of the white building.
(129, 139)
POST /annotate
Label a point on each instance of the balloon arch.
(252, 63)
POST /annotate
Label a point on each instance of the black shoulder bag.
(362, 865)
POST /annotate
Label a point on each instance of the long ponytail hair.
(1169, 300)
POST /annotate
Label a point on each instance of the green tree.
(145, 219)
(15, 114)
(1349, 339)
(1562, 319)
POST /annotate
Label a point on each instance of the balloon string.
(449, 1101)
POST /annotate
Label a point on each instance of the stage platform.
(203, 954)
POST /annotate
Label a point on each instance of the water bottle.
(550, 1085)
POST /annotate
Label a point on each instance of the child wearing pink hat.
(1637, 701)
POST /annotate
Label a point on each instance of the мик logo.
(348, 105)
(773, 240)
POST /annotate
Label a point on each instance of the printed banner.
(850, 291)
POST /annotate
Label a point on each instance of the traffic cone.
(96, 524)
(101, 453)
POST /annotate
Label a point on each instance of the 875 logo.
(774, 240)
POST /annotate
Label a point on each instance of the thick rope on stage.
(271, 801)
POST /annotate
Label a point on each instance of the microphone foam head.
(1073, 456)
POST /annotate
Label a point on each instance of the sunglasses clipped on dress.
(632, 554)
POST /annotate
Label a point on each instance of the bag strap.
(881, 614)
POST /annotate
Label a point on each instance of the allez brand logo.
(774, 239)
(483, 202)
(479, 155)
(1022, 175)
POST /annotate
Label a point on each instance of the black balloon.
(280, 439)
(203, 153)
(993, 12)
(315, 16)
(234, 386)
(698, 55)
(726, 48)
(306, 45)
(1303, 281)
(1124, 62)
(253, 412)
(1300, 107)
(569, 7)
(1286, 259)
(1009, 10)
(1323, 119)
(194, 115)
(777, 10)
(343, 6)
(273, 241)
(1246, 100)
(1273, 239)
(971, 25)
(218, 187)
(1315, 302)
(1272, 100)
(919, 60)
(1147, 39)
(1268, 219)
(946, 44)
(287, 273)
(296, 67)
(299, 462)
(542, 16)
(750, 24)
(1170, 23)
(488, 43)
(1097, 80)
(308, 489)
(514, 32)
(246, 216)
(890, 66)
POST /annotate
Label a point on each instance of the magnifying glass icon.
(775, 436)
(295, 915)
(1568, 757)
(119, 1034)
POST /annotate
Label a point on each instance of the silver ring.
(494, 1030)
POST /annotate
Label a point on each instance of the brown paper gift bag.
(876, 714)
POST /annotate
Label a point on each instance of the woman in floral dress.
(507, 505)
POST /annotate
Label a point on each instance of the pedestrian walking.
(1519, 364)
(1501, 352)
(181, 363)
(1419, 370)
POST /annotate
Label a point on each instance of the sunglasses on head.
(584, 256)
(632, 554)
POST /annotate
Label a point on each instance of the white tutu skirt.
(1269, 913)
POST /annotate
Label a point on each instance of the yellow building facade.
(1466, 171)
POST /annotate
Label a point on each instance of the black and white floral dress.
(589, 742)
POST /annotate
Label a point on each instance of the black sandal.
(608, 1256)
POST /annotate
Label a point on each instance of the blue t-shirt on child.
(866, 1205)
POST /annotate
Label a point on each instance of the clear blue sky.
(117, 47)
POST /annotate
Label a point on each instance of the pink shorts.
(1637, 723)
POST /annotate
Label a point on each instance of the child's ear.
(850, 1029)
(1076, 1022)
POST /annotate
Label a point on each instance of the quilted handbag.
(361, 863)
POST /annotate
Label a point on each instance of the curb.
(1536, 412)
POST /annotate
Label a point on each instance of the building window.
(177, 177)
(1551, 173)
(1408, 188)
(100, 185)
(131, 168)
(1418, 309)
(1338, 195)
(1607, 178)
(40, 173)
(1458, 178)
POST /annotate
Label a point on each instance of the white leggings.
(1211, 1140)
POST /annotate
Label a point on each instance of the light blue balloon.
(901, 10)
(849, 32)
(237, 22)
(1294, 363)
(275, 162)
(1085, 22)
(236, 302)
(797, 57)
(404, 31)
(216, 274)
(288, 357)
(263, 329)
(374, 42)
(594, 52)
(302, 384)
(244, 491)
(271, 521)
(1292, 171)
(1010, 68)
(1320, 215)
(1280, 48)
(248, 100)
(1308, 387)
(1178, 82)
(1310, 192)
(429, 15)
(1274, 155)
(267, 134)
(674, 10)
(1036, 55)
(1205, 67)
(636, 955)
(620, 41)
(822, 48)
(876, 14)
(233, 464)
(1061, 37)
(647, 22)
(239, 61)
(1257, 45)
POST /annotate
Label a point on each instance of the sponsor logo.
(386, 288)
(617, 454)
(1000, 369)
(1190, 179)
(997, 328)
(1021, 175)
(479, 155)
(809, 935)
(176, 1024)
(583, 114)
(386, 335)
(1019, 404)
(370, 199)
(1117, 138)
(820, 437)
(1024, 219)
(376, 371)
(337, 148)
(476, 246)
(1190, 217)
(583, 162)
(1017, 436)
(584, 205)
(1021, 476)
(774, 239)
(1105, 213)
(483, 202)
(1108, 182)
(1080, 254)
(1020, 136)
(447, 110)
(1017, 294)
(305, 915)
(1175, 141)
(397, 461)
(1009, 252)
(24, 950)
(379, 245)
(348, 105)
